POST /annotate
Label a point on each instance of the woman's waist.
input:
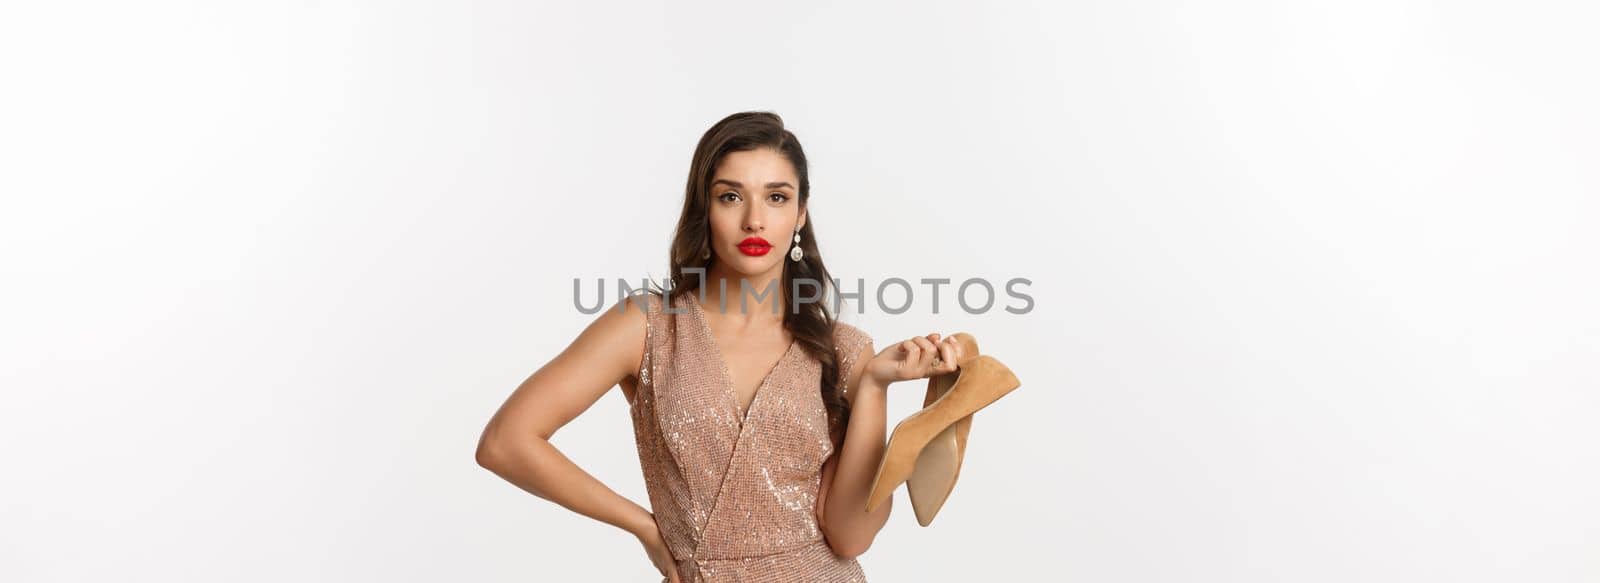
(809, 557)
(799, 546)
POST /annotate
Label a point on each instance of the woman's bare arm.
(847, 475)
(516, 443)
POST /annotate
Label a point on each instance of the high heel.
(925, 450)
(939, 465)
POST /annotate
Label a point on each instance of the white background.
(1314, 282)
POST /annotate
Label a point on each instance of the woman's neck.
(764, 296)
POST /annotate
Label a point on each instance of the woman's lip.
(754, 246)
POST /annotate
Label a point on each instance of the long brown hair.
(810, 323)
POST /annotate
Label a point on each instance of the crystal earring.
(795, 253)
(706, 254)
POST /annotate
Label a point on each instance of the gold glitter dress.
(735, 499)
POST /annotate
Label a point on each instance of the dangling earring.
(706, 254)
(795, 253)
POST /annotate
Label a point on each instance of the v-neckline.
(731, 392)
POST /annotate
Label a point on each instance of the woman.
(759, 429)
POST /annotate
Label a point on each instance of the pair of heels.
(925, 450)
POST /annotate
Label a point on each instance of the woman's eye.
(729, 196)
(779, 197)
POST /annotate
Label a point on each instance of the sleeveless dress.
(735, 499)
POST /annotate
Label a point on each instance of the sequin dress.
(735, 499)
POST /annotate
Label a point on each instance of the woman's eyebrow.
(738, 185)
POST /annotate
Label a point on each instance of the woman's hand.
(660, 555)
(915, 359)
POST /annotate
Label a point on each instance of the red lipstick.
(754, 246)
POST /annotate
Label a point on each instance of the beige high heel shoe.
(925, 450)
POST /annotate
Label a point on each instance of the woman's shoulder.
(646, 301)
(849, 338)
(852, 346)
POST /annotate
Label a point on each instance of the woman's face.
(755, 197)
